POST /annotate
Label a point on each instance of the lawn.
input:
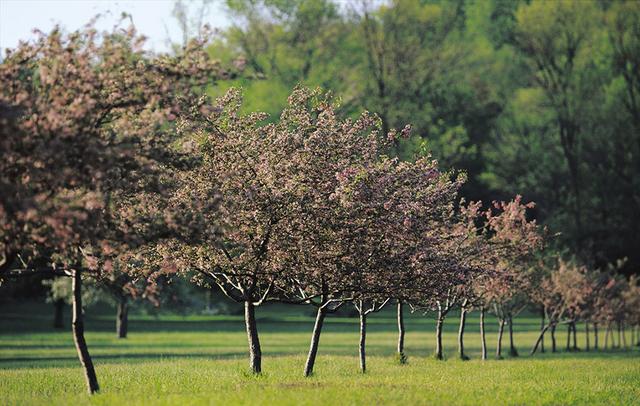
(202, 360)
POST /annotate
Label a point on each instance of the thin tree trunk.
(568, 337)
(542, 325)
(315, 340)
(122, 318)
(500, 333)
(553, 338)
(439, 324)
(77, 327)
(540, 340)
(255, 353)
(595, 336)
(638, 336)
(363, 340)
(463, 319)
(586, 334)
(575, 336)
(512, 348)
(633, 335)
(58, 316)
(607, 331)
(401, 356)
(624, 337)
(483, 335)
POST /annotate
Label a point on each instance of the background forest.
(539, 99)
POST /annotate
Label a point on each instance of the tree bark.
(607, 331)
(463, 319)
(512, 348)
(315, 340)
(58, 316)
(77, 327)
(540, 340)
(363, 341)
(575, 336)
(542, 327)
(586, 334)
(255, 353)
(439, 324)
(568, 337)
(122, 318)
(500, 333)
(483, 335)
(401, 356)
(595, 336)
(553, 338)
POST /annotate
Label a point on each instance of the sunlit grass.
(202, 360)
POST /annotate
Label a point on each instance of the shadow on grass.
(71, 361)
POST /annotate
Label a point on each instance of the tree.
(516, 239)
(322, 250)
(564, 292)
(554, 36)
(85, 114)
(395, 207)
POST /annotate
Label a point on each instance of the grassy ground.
(203, 360)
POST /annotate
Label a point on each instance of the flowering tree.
(514, 239)
(329, 247)
(563, 293)
(240, 197)
(86, 119)
(397, 208)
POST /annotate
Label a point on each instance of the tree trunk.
(77, 327)
(401, 356)
(483, 335)
(624, 337)
(568, 337)
(540, 340)
(607, 331)
(586, 334)
(542, 327)
(439, 324)
(122, 318)
(512, 348)
(255, 353)
(500, 333)
(638, 336)
(463, 319)
(575, 336)
(595, 336)
(553, 338)
(58, 316)
(315, 340)
(363, 341)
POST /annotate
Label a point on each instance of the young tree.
(516, 239)
(396, 207)
(564, 292)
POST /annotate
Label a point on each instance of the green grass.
(203, 360)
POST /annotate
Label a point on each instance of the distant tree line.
(539, 98)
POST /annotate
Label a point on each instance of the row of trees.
(116, 162)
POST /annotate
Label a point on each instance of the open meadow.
(203, 360)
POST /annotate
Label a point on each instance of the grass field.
(203, 360)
